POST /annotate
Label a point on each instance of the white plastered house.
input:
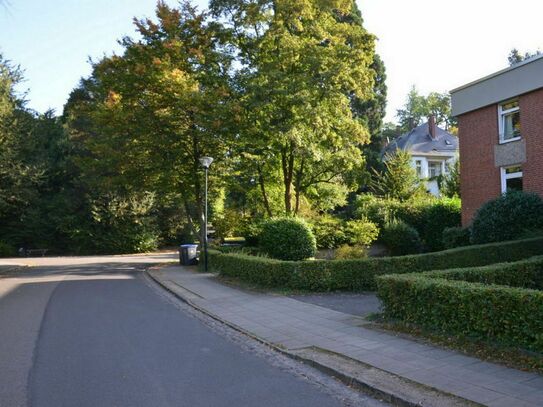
(433, 152)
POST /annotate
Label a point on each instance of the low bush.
(287, 239)
(361, 232)
(428, 215)
(350, 252)
(501, 302)
(507, 217)
(400, 238)
(442, 214)
(456, 237)
(360, 274)
(329, 232)
(6, 250)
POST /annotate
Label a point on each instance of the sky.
(433, 45)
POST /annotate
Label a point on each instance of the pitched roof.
(419, 141)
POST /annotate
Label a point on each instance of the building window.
(509, 121)
(418, 166)
(434, 169)
(511, 178)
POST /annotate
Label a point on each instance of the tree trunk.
(189, 216)
(298, 187)
(263, 190)
(287, 161)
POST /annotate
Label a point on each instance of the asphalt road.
(101, 334)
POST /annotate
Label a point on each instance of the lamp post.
(206, 162)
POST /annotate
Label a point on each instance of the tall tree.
(418, 107)
(157, 108)
(302, 62)
(19, 178)
(399, 180)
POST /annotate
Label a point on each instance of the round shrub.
(442, 214)
(288, 239)
(455, 237)
(329, 232)
(361, 232)
(400, 238)
(507, 217)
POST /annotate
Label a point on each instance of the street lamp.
(206, 162)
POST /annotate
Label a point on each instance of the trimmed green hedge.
(501, 302)
(523, 274)
(359, 274)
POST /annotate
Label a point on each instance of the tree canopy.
(418, 107)
(285, 95)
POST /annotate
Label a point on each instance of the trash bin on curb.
(188, 254)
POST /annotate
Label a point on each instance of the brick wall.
(479, 177)
(531, 124)
(478, 133)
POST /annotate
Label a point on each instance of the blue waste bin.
(188, 254)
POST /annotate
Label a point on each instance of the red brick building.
(500, 127)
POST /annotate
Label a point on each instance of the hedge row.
(478, 307)
(523, 274)
(359, 274)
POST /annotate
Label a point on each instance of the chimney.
(432, 128)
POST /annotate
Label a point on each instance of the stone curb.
(432, 396)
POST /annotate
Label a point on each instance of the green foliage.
(329, 232)
(450, 186)
(360, 275)
(117, 224)
(288, 239)
(301, 65)
(346, 252)
(515, 56)
(400, 238)
(7, 250)
(399, 179)
(283, 102)
(507, 217)
(361, 232)
(428, 215)
(442, 214)
(228, 224)
(500, 302)
(456, 236)
(251, 231)
(417, 108)
(145, 117)
(523, 274)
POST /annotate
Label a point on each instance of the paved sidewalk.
(293, 325)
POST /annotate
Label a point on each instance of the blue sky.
(435, 45)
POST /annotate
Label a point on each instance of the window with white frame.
(511, 178)
(509, 121)
(418, 166)
(434, 169)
